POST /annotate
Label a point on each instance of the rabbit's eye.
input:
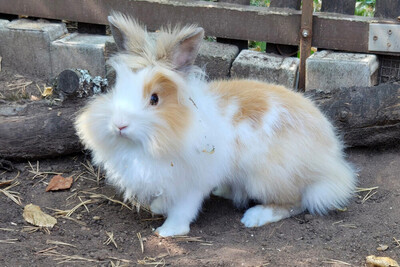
(154, 99)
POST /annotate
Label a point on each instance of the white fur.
(259, 215)
(174, 180)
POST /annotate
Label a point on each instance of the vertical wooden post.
(295, 4)
(339, 6)
(387, 8)
(305, 40)
(282, 49)
(241, 44)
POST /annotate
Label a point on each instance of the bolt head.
(305, 33)
(375, 38)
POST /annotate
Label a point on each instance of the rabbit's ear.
(185, 51)
(128, 34)
(116, 33)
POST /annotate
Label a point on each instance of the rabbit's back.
(283, 145)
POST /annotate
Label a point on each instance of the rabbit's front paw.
(171, 230)
(260, 215)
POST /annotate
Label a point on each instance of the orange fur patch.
(169, 108)
(251, 97)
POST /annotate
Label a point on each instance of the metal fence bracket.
(384, 37)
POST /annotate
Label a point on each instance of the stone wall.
(44, 49)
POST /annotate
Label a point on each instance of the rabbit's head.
(148, 108)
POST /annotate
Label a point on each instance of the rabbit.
(168, 138)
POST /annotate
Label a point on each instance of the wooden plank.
(294, 4)
(306, 33)
(218, 19)
(282, 49)
(387, 8)
(241, 44)
(339, 6)
(336, 34)
(339, 32)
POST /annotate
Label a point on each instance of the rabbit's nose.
(121, 127)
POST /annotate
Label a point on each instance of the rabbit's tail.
(332, 191)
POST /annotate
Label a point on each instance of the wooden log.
(38, 129)
(364, 116)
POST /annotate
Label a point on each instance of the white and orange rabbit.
(168, 138)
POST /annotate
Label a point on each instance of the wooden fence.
(283, 23)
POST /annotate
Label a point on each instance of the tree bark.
(38, 130)
(363, 116)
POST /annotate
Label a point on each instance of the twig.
(368, 196)
(7, 229)
(139, 235)
(331, 261)
(96, 195)
(397, 242)
(362, 189)
(110, 239)
(9, 241)
(74, 220)
(185, 238)
(63, 258)
(159, 260)
(14, 196)
(8, 182)
(54, 242)
(68, 213)
(47, 249)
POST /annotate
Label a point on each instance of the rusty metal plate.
(384, 38)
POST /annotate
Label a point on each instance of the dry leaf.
(47, 91)
(59, 183)
(34, 215)
(382, 247)
(373, 261)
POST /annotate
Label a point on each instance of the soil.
(217, 238)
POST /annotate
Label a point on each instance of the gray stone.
(3, 22)
(270, 68)
(216, 59)
(25, 45)
(80, 51)
(327, 70)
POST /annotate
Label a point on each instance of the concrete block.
(25, 45)
(82, 51)
(270, 68)
(3, 22)
(216, 58)
(327, 70)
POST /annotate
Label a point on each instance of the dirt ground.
(103, 232)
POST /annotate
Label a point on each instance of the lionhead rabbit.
(168, 138)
